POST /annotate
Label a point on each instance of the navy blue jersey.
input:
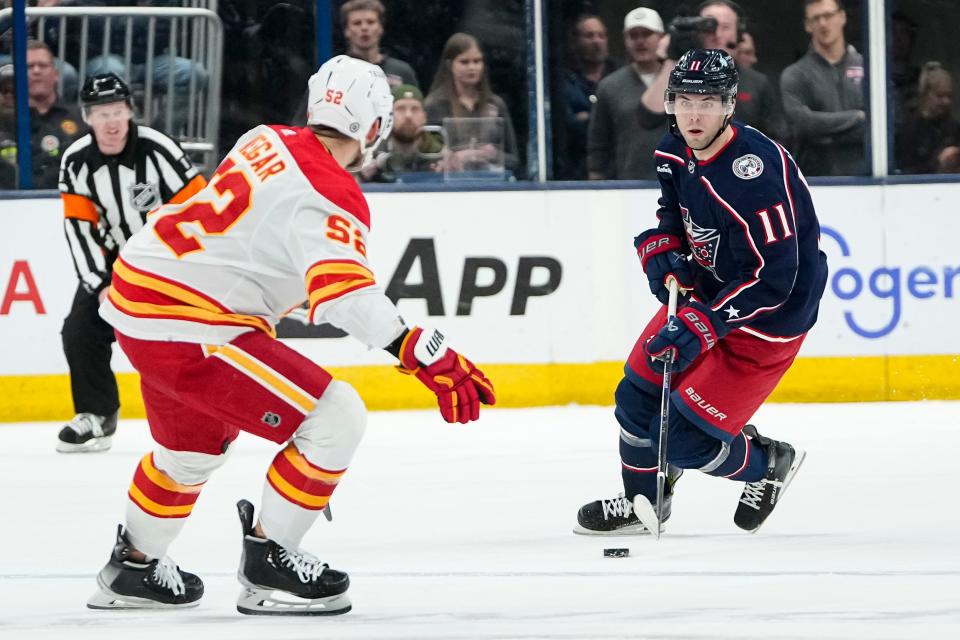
(748, 222)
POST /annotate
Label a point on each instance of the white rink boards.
(464, 532)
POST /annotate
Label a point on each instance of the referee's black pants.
(87, 340)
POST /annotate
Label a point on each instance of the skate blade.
(254, 601)
(633, 530)
(106, 599)
(93, 445)
(647, 515)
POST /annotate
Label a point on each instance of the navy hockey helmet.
(705, 72)
(104, 88)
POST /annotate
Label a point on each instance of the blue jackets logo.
(898, 284)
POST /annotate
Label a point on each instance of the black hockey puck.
(616, 553)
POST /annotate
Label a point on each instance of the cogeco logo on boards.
(895, 283)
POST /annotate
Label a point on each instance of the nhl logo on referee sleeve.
(747, 167)
(144, 196)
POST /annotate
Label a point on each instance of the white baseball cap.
(643, 17)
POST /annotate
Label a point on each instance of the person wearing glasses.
(823, 96)
(54, 125)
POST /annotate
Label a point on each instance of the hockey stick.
(653, 520)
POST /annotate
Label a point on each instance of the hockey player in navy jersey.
(738, 231)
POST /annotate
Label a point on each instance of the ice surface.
(465, 532)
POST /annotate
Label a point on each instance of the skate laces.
(167, 575)
(616, 507)
(753, 494)
(307, 567)
(84, 423)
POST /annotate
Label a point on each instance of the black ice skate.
(613, 517)
(759, 498)
(616, 516)
(87, 433)
(307, 586)
(158, 584)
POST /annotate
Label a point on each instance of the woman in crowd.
(461, 89)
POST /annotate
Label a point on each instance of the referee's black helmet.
(104, 88)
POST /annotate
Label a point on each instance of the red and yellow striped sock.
(158, 507)
(295, 492)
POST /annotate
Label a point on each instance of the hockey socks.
(295, 492)
(743, 460)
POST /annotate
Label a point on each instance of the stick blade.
(646, 514)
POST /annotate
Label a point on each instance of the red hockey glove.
(460, 387)
(694, 330)
(660, 258)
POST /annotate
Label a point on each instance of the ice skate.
(87, 433)
(759, 498)
(613, 517)
(285, 582)
(157, 584)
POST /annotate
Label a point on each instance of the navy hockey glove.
(694, 330)
(660, 258)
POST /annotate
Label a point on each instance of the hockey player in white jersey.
(194, 299)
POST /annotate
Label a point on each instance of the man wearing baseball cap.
(411, 147)
(623, 132)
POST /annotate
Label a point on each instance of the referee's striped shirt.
(106, 198)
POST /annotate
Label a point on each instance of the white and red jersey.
(279, 223)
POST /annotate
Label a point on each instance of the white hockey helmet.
(350, 96)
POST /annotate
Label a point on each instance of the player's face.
(699, 118)
(42, 76)
(408, 119)
(467, 68)
(363, 30)
(591, 41)
(110, 124)
(641, 44)
(725, 37)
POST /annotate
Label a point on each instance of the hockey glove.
(695, 329)
(460, 387)
(660, 258)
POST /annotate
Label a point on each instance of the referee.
(109, 180)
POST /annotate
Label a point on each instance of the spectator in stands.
(757, 101)
(53, 124)
(461, 90)
(746, 52)
(625, 125)
(589, 65)
(362, 22)
(929, 140)
(410, 148)
(183, 70)
(8, 124)
(68, 73)
(823, 96)
(904, 72)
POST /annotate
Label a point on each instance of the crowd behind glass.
(462, 96)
